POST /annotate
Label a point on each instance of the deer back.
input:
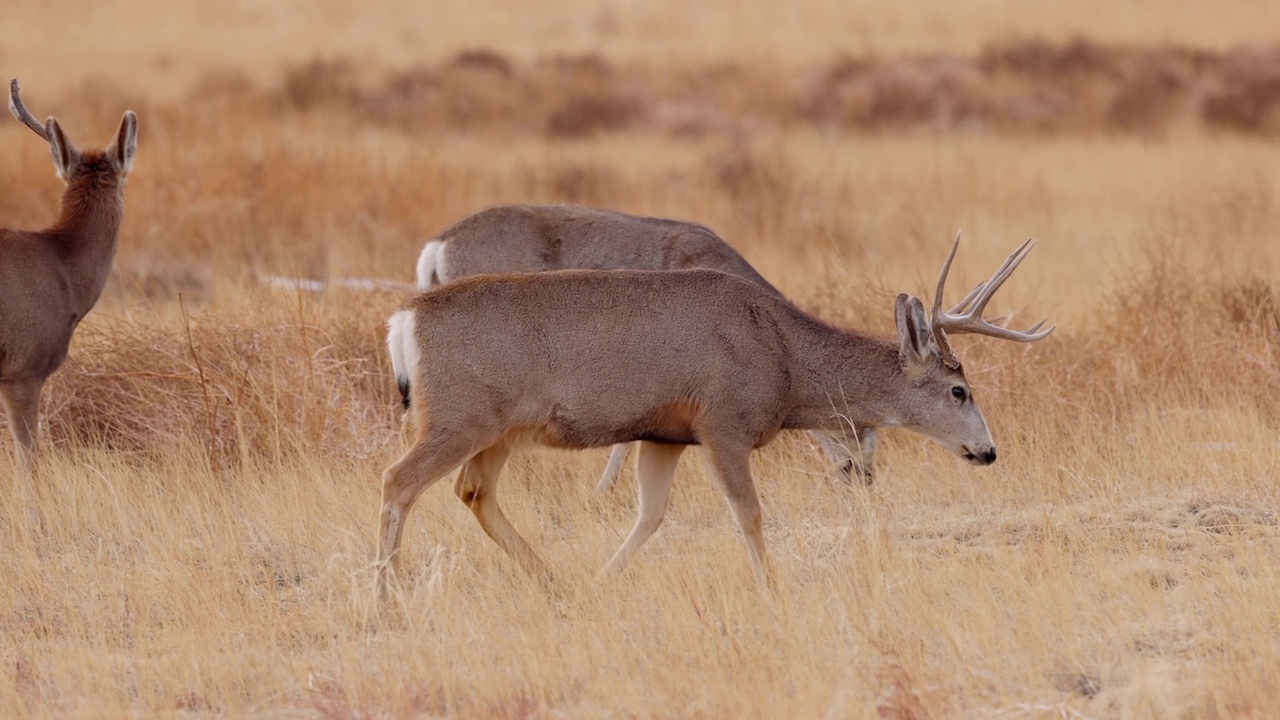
(537, 238)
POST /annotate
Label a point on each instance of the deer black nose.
(981, 455)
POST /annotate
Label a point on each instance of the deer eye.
(959, 393)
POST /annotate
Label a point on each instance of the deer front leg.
(732, 469)
(22, 407)
(617, 456)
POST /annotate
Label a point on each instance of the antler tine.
(942, 276)
(982, 327)
(20, 113)
(964, 303)
(1010, 264)
(966, 317)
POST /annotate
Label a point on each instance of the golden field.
(215, 443)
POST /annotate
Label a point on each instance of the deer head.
(938, 401)
(68, 160)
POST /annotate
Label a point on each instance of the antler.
(966, 317)
(19, 111)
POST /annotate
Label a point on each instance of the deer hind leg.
(732, 469)
(611, 471)
(22, 407)
(477, 487)
(656, 466)
(428, 460)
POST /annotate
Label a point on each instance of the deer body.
(539, 238)
(634, 364)
(582, 359)
(49, 280)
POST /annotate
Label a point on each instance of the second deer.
(669, 359)
(50, 279)
(540, 238)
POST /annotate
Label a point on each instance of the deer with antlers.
(49, 280)
(582, 359)
(541, 238)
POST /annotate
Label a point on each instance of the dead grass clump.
(592, 97)
(476, 90)
(898, 94)
(266, 386)
(1253, 307)
(484, 59)
(1149, 98)
(1024, 86)
(1246, 97)
(1046, 61)
(321, 83)
(585, 115)
(585, 183)
(1202, 336)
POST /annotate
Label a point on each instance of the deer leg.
(22, 407)
(864, 460)
(732, 469)
(617, 456)
(476, 486)
(656, 466)
(428, 460)
(854, 456)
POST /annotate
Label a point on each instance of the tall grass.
(203, 524)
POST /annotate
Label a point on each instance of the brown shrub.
(320, 83)
(1250, 106)
(484, 59)
(1022, 86)
(587, 115)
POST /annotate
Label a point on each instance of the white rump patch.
(431, 271)
(403, 347)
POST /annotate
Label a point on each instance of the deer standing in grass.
(540, 238)
(50, 279)
(583, 359)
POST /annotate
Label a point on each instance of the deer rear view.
(541, 238)
(50, 279)
(670, 359)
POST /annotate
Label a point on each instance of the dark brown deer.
(50, 279)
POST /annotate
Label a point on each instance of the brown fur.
(538, 238)
(50, 280)
(542, 238)
(582, 359)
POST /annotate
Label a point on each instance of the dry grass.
(215, 444)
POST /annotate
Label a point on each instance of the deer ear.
(913, 332)
(125, 146)
(66, 156)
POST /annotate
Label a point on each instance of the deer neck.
(843, 378)
(86, 236)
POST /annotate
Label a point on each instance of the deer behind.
(667, 358)
(539, 238)
(49, 280)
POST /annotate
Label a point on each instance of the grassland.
(215, 443)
